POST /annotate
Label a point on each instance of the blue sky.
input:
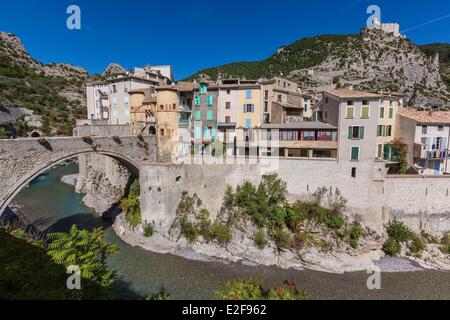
(191, 35)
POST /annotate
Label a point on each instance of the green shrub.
(222, 233)
(445, 243)
(189, 230)
(303, 240)
(282, 239)
(354, 235)
(398, 231)
(132, 207)
(334, 221)
(148, 230)
(253, 289)
(260, 239)
(417, 246)
(392, 247)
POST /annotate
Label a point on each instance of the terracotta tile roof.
(348, 93)
(434, 117)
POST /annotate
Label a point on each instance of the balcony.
(422, 151)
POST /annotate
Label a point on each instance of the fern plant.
(87, 250)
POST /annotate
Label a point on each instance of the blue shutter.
(245, 108)
(253, 108)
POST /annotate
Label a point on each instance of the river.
(51, 204)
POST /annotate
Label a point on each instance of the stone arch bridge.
(22, 160)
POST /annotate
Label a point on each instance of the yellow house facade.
(249, 98)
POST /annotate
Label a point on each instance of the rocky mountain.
(36, 96)
(371, 60)
(113, 69)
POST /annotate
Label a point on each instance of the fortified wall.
(372, 195)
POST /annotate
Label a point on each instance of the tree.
(87, 250)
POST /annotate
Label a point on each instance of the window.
(325, 115)
(209, 100)
(203, 89)
(356, 133)
(440, 128)
(365, 111)
(326, 100)
(114, 89)
(391, 113)
(227, 119)
(388, 131)
(380, 151)
(248, 123)
(365, 103)
(350, 102)
(354, 154)
(209, 115)
(197, 100)
(174, 106)
(198, 116)
(350, 112)
(126, 99)
(161, 107)
(228, 91)
(266, 94)
(353, 172)
(249, 108)
(249, 94)
(161, 132)
(381, 112)
(424, 129)
(227, 105)
(381, 130)
(279, 98)
(266, 106)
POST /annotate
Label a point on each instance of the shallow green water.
(48, 203)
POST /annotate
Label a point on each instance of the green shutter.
(350, 132)
(213, 132)
(386, 152)
(382, 112)
(361, 132)
(391, 113)
(355, 153)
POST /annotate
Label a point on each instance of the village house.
(427, 137)
(108, 101)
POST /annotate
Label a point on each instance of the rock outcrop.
(103, 180)
(15, 51)
(113, 69)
